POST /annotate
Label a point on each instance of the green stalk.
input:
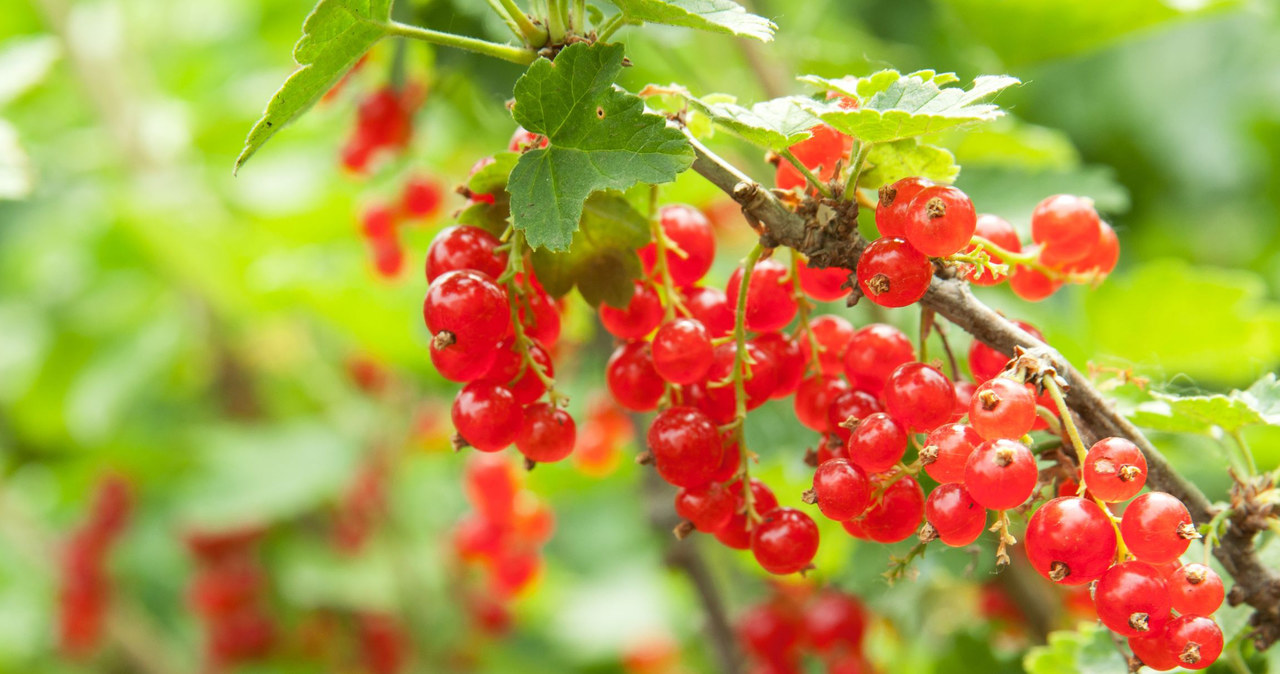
(822, 188)
(739, 380)
(610, 26)
(857, 157)
(496, 6)
(505, 52)
(533, 35)
(555, 21)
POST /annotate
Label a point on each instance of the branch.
(827, 235)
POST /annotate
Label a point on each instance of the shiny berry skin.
(997, 230)
(463, 362)
(422, 197)
(821, 152)
(732, 460)
(468, 305)
(898, 513)
(832, 334)
(632, 379)
(892, 273)
(1066, 226)
(1157, 528)
(1152, 652)
(541, 319)
(964, 396)
(834, 620)
(509, 370)
(1102, 258)
(873, 353)
(1070, 541)
(1195, 589)
(1001, 474)
(735, 533)
(813, 398)
(716, 403)
(1194, 641)
(762, 376)
(877, 444)
(941, 220)
(1115, 470)
(1132, 600)
(788, 359)
(823, 285)
(686, 446)
(709, 507)
(1032, 285)
(638, 319)
(769, 632)
(1002, 408)
(464, 247)
(841, 489)
(985, 362)
(487, 416)
(893, 209)
(957, 518)
(770, 304)
(785, 542)
(547, 434)
(523, 140)
(691, 232)
(855, 405)
(710, 307)
(951, 446)
(919, 396)
(682, 351)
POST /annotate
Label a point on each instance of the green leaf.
(716, 16)
(492, 179)
(25, 61)
(893, 106)
(775, 124)
(889, 162)
(16, 177)
(602, 261)
(1260, 404)
(1009, 142)
(601, 138)
(334, 36)
(1087, 650)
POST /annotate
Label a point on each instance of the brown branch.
(824, 235)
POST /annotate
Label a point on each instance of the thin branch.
(506, 52)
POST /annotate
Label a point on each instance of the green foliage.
(1087, 650)
(334, 36)
(491, 180)
(889, 162)
(716, 16)
(775, 124)
(601, 138)
(602, 260)
(1260, 404)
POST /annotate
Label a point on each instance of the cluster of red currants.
(384, 126)
(83, 592)
(420, 198)
(828, 623)
(228, 594)
(502, 536)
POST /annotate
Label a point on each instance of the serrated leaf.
(1260, 404)
(1264, 398)
(334, 36)
(1088, 650)
(16, 178)
(492, 178)
(602, 260)
(25, 61)
(775, 124)
(893, 106)
(889, 162)
(600, 138)
(716, 16)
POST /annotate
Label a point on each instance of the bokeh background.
(196, 332)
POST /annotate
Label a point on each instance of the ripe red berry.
(892, 273)
(731, 463)
(1070, 541)
(785, 542)
(510, 370)
(468, 306)
(421, 197)
(770, 303)
(1001, 474)
(691, 232)
(487, 416)
(788, 359)
(735, 534)
(832, 334)
(378, 222)
(821, 152)
(873, 353)
(769, 632)
(985, 362)
(388, 257)
(1032, 285)
(709, 507)
(710, 307)
(682, 351)
(878, 443)
(955, 516)
(686, 446)
(855, 405)
(632, 378)
(1002, 408)
(1194, 641)
(964, 396)
(946, 451)
(1195, 589)
(1157, 528)
(919, 396)
(841, 489)
(834, 620)
(1066, 226)
(762, 376)
(824, 285)
(523, 140)
(1102, 258)
(463, 362)
(1132, 600)
(897, 514)
(464, 247)
(1152, 652)
(638, 318)
(541, 319)
(814, 397)
(941, 221)
(892, 210)
(1115, 470)
(997, 230)
(547, 434)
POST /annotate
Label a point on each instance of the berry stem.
(611, 25)
(1245, 453)
(661, 270)
(496, 6)
(805, 307)
(740, 374)
(984, 248)
(516, 294)
(1068, 423)
(580, 16)
(533, 35)
(506, 52)
(555, 21)
(817, 183)
(857, 158)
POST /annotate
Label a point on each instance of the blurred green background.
(192, 330)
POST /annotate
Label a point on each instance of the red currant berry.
(821, 152)
(946, 452)
(487, 416)
(632, 379)
(832, 334)
(1032, 285)
(1151, 651)
(1132, 600)
(731, 463)
(547, 435)
(834, 620)
(463, 362)
(841, 490)
(1157, 528)
(873, 353)
(1102, 258)
(682, 351)
(1001, 474)
(789, 362)
(1002, 408)
(893, 208)
(468, 306)
(1066, 226)
(892, 273)
(1070, 541)
(814, 397)
(686, 446)
(954, 515)
(941, 220)
(762, 376)
(690, 231)
(877, 443)
(710, 307)
(735, 534)
(1195, 641)
(422, 197)
(985, 362)
(850, 405)
(1115, 470)
(825, 284)
(378, 222)
(964, 396)
(770, 304)
(769, 632)
(997, 230)
(541, 320)
(464, 247)
(785, 542)
(1195, 589)
(898, 513)
(510, 370)
(919, 396)
(638, 319)
(709, 508)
